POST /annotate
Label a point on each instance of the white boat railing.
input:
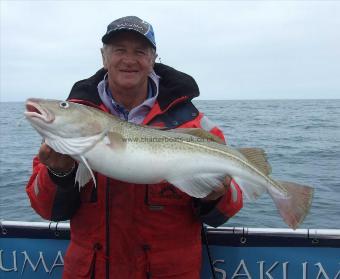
(242, 231)
(304, 233)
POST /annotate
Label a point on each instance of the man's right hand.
(54, 160)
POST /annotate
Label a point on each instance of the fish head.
(53, 118)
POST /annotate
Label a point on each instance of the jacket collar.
(174, 87)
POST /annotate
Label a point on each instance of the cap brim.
(108, 36)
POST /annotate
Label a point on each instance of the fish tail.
(294, 206)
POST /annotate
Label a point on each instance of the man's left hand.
(219, 192)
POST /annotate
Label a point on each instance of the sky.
(234, 49)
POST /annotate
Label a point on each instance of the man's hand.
(214, 195)
(54, 160)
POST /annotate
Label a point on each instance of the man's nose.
(129, 57)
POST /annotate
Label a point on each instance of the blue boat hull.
(36, 250)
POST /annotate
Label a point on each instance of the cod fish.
(186, 158)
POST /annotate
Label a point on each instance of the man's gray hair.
(106, 47)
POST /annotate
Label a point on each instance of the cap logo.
(131, 25)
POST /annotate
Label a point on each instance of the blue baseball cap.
(130, 23)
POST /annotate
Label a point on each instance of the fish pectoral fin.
(295, 205)
(197, 132)
(115, 140)
(84, 173)
(258, 158)
(198, 186)
(250, 190)
(74, 146)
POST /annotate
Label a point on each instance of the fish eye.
(64, 105)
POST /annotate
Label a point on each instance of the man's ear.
(104, 58)
(154, 59)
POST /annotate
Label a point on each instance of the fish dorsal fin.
(258, 158)
(197, 132)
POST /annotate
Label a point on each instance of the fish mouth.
(36, 111)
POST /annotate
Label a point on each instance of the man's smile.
(128, 71)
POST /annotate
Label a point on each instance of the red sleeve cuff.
(232, 201)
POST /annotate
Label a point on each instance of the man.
(118, 229)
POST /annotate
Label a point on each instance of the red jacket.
(124, 230)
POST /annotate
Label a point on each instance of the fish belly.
(135, 164)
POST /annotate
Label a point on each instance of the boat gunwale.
(62, 230)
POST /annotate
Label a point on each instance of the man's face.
(129, 59)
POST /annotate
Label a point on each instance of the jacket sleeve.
(215, 213)
(53, 198)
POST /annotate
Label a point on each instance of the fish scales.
(192, 143)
